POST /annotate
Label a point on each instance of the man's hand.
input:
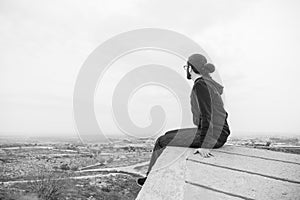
(203, 152)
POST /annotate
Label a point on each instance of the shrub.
(74, 168)
(64, 167)
(48, 186)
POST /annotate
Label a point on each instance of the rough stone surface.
(233, 173)
(167, 178)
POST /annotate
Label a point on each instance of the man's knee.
(171, 131)
(161, 141)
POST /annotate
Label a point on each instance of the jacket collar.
(209, 81)
(198, 79)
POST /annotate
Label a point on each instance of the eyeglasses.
(187, 66)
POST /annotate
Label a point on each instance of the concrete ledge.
(233, 173)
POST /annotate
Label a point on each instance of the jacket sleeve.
(205, 104)
(195, 109)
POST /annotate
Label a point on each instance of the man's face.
(188, 69)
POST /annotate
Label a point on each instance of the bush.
(74, 168)
(49, 186)
(64, 167)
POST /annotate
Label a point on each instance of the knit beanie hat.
(199, 62)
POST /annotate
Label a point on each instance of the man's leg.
(179, 137)
(157, 150)
(187, 137)
(161, 143)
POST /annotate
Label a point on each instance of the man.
(209, 115)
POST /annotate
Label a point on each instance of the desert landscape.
(68, 169)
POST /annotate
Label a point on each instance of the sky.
(43, 45)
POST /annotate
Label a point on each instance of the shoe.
(141, 181)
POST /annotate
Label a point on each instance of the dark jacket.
(208, 111)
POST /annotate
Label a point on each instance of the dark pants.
(187, 137)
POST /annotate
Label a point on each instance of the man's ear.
(192, 71)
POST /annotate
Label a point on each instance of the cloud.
(254, 45)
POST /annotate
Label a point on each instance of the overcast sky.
(254, 45)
